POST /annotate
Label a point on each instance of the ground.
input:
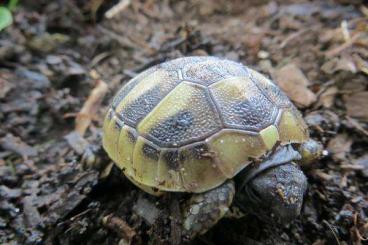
(62, 61)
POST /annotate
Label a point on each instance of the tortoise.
(209, 126)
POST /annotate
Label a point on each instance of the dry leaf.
(357, 105)
(327, 98)
(339, 146)
(5, 87)
(293, 82)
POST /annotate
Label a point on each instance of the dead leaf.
(339, 64)
(293, 82)
(327, 98)
(5, 87)
(356, 105)
(362, 161)
(339, 146)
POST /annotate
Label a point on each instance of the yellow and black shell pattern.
(189, 124)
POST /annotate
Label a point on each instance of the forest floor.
(57, 52)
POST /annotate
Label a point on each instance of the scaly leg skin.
(277, 191)
(310, 150)
(204, 210)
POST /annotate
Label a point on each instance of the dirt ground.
(57, 186)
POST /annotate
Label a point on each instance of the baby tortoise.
(192, 124)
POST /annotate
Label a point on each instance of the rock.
(8, 193)
(146, 210)
(36, 80)
(15, 144)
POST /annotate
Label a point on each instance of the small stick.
(90, 107)
(335, 51)
(119, 226)
(123, 4)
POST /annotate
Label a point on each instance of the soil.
(57, 186)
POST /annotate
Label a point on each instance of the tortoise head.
(276, 186)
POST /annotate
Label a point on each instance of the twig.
(90, 107)
(119, 226)
(123, 41)
(333, 52)
(123, 4)
(293, 36)
(333, 232)
(357, 125)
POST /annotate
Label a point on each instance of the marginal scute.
(146, 95)
(127, 139)
(107, 144)
(234, 148)
(183, 116)
(172, 159)
(200, 172)
(292, 128)
(242, 105)
(270, 136)
(111, 137)
(151, 190)
(145, 166)
(168, 178)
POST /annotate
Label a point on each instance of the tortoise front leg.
(204, 210)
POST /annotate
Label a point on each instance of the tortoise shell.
(189, 124)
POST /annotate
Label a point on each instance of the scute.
(169, 175)
(270, 89)
(111, 137)
(183, 116)
(200, 171)
(181, 63)
(145, 162)
(235, 148)
(129, 86)
(146, 95)
(127, 140)
(190, 124)
(210, 71)
(242, 105)
(292, 128)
